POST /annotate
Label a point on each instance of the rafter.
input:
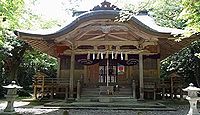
(114, 43)
(119, 33)
(116, 37)
(96, 37)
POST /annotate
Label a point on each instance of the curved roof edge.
(98, 14)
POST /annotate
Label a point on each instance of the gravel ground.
(181, 110)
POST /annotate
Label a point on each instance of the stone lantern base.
(10, 97)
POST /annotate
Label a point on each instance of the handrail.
(44, 80)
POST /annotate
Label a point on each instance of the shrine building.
(96, 51)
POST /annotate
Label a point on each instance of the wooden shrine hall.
(98, 55)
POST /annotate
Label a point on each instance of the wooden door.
(92, 75)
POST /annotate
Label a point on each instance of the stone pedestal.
(192, 98)
(10, 100)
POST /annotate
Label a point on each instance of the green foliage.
(18, 60)
(185, 63)
(165, 12)
(177, 14)
(191, 13)
(10, 12)
(34, 61)
(40, 62)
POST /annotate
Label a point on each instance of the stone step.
(97, 93)
(115, 93)
(97, 89)
(90, 89)
(113, 99)
(90, 95)
(94, 92)
(125, 89)
(85, 96)
(85, 92)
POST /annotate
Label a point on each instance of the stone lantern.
(192, 98)
(10, 97)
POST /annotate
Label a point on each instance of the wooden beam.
(96, 37)
(24, 37)
(114, 43)
(149, 43)
(128, 51)
(83, 34)
(119, 33)
(119, 38)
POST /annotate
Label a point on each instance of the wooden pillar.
(66, 93)
(158, 68)
(163, 88)
(71, 81)
(35, 87)
(172, 87)
(58, 69)
(43, 85)
(133, 89)
(158, 61)
(52, 88)
(35, 91)
(107, 73)
(78, 90)
(141, 77)
(84, 74)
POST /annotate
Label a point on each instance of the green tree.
(177, 14)
(191, 14)
(34, 61)
(165, 12)
(185, 63)
(10, 12)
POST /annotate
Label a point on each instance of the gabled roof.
(142, 22)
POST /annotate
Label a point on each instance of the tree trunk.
(13, 62)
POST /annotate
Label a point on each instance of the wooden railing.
(44, 85)
(157, 86)
(51, 81)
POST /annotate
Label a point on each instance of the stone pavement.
(40, 110)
